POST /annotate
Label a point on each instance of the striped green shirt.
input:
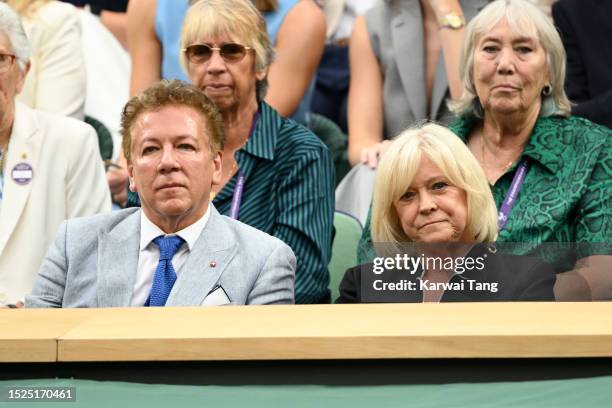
(288, 193)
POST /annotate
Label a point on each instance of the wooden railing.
(375, 331)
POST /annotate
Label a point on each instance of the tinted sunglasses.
(230, 52)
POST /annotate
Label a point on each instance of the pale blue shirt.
(149, 253)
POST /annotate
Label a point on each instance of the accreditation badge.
(22, 174)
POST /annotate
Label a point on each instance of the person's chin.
(436, 233)
(505, 105)
(221, 100)
(437, 239)
(174, 205)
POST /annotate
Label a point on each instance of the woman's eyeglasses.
(230, 52)
(6, 60)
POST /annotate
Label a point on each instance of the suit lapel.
(211, 254)
(118, 262)
(407, 32)
(24, 147)
(440, 88)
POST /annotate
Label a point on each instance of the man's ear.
(22, 76)
(217, 163)
(132, 183)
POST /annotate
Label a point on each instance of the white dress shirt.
(148, 258)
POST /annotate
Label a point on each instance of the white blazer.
(56, 81)
(68, 181)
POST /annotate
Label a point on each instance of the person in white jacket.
(56, 81)
(50, 169)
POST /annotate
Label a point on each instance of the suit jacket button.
(213, 264)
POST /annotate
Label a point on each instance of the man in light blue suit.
(177, 250)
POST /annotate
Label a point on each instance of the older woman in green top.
(550, 173)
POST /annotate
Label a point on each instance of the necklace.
(232, 171)
(235, 164)
(234, 167)
(484, 165)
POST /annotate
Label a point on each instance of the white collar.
(149, 231)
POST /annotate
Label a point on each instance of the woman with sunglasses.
(296, 29)
(277, 175)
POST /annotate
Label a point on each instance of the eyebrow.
(441, 177)
(177, 138)
(521, 39)
(430, 180)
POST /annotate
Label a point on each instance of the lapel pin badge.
(22, 173)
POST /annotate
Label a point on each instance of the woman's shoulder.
(52, 17)
(55, 9)
(462, 126)
(291, 137)
(350, 285)
(577, 126)
(500, 257)
(521, 277)
(519, 264)
(299, 136)
(574, 135)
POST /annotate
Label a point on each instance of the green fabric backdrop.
(589, 392)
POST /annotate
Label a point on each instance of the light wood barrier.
(31, 335)
(376, 331)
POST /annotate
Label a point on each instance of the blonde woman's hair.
(399, 165)
(527, 19)
(237, 19)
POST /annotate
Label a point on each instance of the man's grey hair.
(10, 25)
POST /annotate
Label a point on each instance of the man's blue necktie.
(165, 276)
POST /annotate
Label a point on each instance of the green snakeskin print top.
(567, 194)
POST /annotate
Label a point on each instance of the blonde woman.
(441, 197)
(56, 79)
